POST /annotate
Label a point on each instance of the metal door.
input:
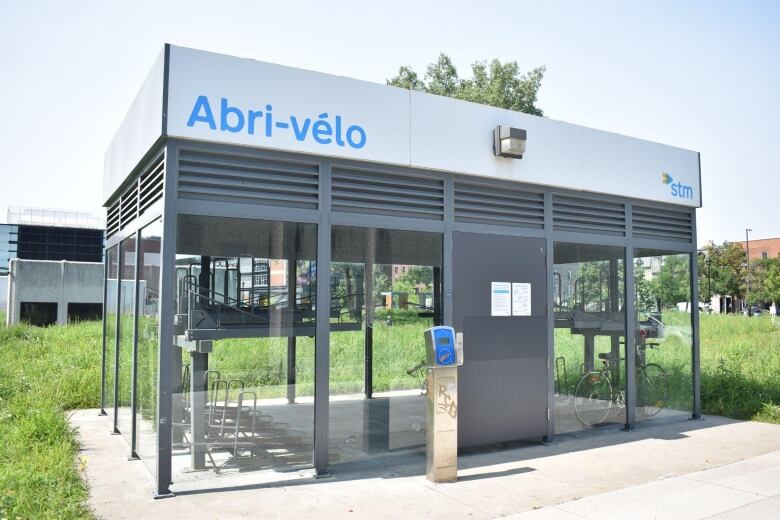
(503, 381)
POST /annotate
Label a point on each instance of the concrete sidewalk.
(749, 489)
(649, 462)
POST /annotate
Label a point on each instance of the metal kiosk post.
(443, 357)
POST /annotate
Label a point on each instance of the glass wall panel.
(126, 309)
(385, 288)
(148, 344)
(112, 260)
(590, 324)
(664, 339)
(245, 325)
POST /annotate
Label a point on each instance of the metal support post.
(105, 315)
(695, 347)
(165, 360)
(449, 219)
(115, 429)
(550, 436)
(292, 279)
(322, 341)
(368, 346)
(614, 308)
(631, 329)
(134, 366)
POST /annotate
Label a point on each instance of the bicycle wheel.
(593, 398)
(652, 389)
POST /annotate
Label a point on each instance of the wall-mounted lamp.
(509, 142)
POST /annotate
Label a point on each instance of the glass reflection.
(664, 336)
(112, 259)
(148, 344)
(385, 288)
(245, 326)
(589, 341)
(126, 310)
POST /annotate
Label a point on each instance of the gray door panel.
(502, 385)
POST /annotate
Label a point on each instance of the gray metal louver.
(581, 215)
(483, 204)
(150, 186)
(360, 191)
(660, 223)
(128, 205)
(247, 179)
(112, 219)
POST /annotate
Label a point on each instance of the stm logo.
(679, 189)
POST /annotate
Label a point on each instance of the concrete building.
(3, 293)
(225, 162)
(762, 248)
(50, 234)
(45, 292)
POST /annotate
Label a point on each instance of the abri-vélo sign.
(256, 122)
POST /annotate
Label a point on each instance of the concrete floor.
(491, 483)
(746, 490)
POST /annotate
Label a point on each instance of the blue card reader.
(441, 343)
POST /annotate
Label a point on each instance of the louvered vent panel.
(128, 206)
(581, 215)
(244, 179)
(374, 193)
(151, 186)
(480, 204)
(112, 219)
(658, 223)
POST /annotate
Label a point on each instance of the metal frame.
(696, 351)
(103, 356)
(631, 325)
(115, 429)
(134, 365)
(171, 206)
(322, 337)
(165, 359)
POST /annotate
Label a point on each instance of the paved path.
(656, 470)
(748, 490)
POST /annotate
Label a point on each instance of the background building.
(762, 248)
(52, 235)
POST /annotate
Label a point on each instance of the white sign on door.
(500, 299)
(521, 299)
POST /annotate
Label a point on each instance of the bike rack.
(560, 360)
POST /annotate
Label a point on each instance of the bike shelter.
(269, 287)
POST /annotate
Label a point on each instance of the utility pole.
(747, 276)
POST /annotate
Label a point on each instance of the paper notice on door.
(521, 299)
(500, 299)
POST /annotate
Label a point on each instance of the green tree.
(672, 283)
(496, 84)
(644, 296)
(772, 280)
(722, 270)
(418, 274)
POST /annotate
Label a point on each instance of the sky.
(702, 75)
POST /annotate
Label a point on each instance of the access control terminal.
(444, 353)
(441, 345)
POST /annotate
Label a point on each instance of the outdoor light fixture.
(509, 142)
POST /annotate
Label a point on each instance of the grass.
(44, 372)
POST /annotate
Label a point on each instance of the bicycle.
(420, 373)
(595, 399)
